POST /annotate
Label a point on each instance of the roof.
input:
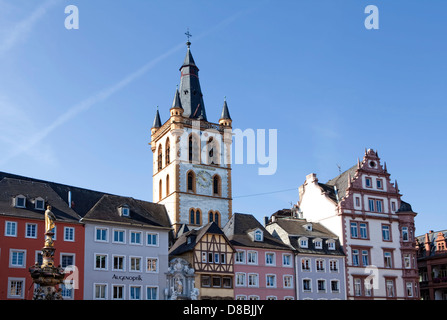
(225, 112)
(238, 230)
(338, 185)
(10, 188)
(182, 244)
(157, 121)
(296, 228)
(142, 213)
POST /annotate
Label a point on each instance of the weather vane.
(189, 36)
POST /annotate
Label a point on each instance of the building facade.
(375, 227)
(211, 256)
(263, 265)
(319, 258)
(126, 250)
(191, 157)
(22, 225)
(432, 265)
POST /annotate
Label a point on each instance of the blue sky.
(77, 105)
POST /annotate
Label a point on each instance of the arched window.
(195, 216)
(168, 152)
(217, 183)
(191, 181)
(213, 151)
(193, 149)
(167, 185)
(160, 190)
(214, 216)
(160, 157)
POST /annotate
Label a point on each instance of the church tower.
(192, 156)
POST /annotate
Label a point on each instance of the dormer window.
(39, 204)
(124, 211)
(303, 242)
(259, 235)
(308, 226)
(331, 244)
(20, 201)
(318, 243)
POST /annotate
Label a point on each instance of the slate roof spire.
(225, 111)
(157, 120)
(191, 96)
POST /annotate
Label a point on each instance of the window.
(222, 258)
(240, 257)
(193, 149)
(409, 287)
(69, 234)
(333, 265)
(167, 185)
(379, 205)
(39, 204)
(287, 260)
(16, 288)
(305, 264)
(195, 216)
(160, 189)
(405, 233)
(216, 185)
(365, 258)
(118, 263)
(152, 265)
(390, 288)
(125, 211)
(151, 293)
(388, 259)
(135, 264)
(320, 264)
(270, 259)
(393, 206)
(357, 201)
(160, 158)
(216, 282)
(288, 281)
(371, 205)
(360, 257)
(258, 235)
(67, 260)
(252, 257)
(331, 245)
(253, 280)
(321, 285)
(100, 261)
(67, 289)
(118, 292)
(20, 202)
(135, 293)
(31, 230)
(214, 216)
(252, 297)
(119, 236)
(100, 291)
(191, 181)
(205, 281)
(271, 281)
(358, 287)
(101, 234)
(11, 229)
(355, 257)
(152, 239)
(375, 205)
(240, 279)
(303, 242)
(168, 152)
(318, 244)
(135, 237)
(379, 184)
(307, 286)
(368, 182)
(407, 261)
(354, 232)
(363, 231)
(386, 236)
(17, 258)
(335, 286)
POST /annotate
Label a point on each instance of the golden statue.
(49, 226)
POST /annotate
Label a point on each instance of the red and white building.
(375, 227)
(22, 227)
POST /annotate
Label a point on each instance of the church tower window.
(160, 157)
(191, 181)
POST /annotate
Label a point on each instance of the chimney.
(266, 221)
(69, 198)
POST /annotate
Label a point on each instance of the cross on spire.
(188, 35)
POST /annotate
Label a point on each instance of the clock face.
(203, 178)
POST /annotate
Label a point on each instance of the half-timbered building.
(210, 253)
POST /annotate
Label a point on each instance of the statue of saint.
(49, 220)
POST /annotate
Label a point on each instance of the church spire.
(157, 120)
(191, 96)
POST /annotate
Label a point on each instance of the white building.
(126, 250)
(376, 229)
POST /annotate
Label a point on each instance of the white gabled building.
(375, 227)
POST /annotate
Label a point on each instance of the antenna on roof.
(339, 168)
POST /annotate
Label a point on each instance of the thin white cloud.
(20, 31)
